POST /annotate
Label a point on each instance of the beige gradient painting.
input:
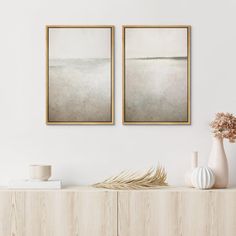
(80, 75)
(156, 79)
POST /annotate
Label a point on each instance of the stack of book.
(34, 184)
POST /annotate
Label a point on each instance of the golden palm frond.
(152, 178)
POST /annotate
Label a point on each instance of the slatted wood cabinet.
(85, 211)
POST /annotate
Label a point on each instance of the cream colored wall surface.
(87, 154)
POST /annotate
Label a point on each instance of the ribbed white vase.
(203, 178)
(219, 164)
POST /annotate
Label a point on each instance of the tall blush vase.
(219, 164)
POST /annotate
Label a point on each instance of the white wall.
(86, 154)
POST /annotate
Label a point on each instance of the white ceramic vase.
(194, 164)
(219, 164)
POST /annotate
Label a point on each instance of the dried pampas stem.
(153, 178)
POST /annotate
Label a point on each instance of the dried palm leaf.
(152, 178)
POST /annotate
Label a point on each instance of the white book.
(33, 184)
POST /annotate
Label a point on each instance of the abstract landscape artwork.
(80, 74)
(156, 74)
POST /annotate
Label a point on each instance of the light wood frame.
(48, 122)
(188, 122)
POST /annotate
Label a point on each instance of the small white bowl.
(40, 172)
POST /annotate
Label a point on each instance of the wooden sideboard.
(86, 211)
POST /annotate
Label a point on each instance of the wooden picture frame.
(154, 55)
(80, 74)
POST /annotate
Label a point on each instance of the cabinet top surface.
(93, 189)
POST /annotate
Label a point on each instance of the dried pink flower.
(224, 126)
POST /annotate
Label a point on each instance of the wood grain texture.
(177, 213)
(58, 213)
(85, 211)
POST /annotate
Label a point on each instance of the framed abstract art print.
(156, 74)
(80, 74)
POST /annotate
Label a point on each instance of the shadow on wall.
(231, 155)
